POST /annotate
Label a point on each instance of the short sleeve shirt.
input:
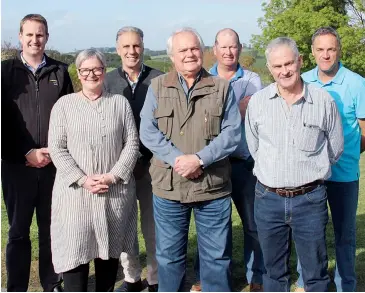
(348, 90)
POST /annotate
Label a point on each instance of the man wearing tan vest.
(191, 123)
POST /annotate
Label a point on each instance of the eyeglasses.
(97, 71)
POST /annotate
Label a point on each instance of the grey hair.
(281, 41)
(227, 30)
(182, 30)
(326, 30)
(89, 53)
(127, 29)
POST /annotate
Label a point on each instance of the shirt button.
(181, 132)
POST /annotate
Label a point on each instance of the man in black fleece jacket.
(132, 80)
(31, 84)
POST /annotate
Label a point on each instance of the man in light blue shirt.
(227, 49)
(348, 90)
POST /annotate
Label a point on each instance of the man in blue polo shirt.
(227, 49)
(348, 90)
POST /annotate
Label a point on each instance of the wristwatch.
(200, 161)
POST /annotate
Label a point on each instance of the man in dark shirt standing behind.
(31, 85)
(132, 80)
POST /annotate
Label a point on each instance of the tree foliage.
(246, 59)
(65, 58)
(72, 70)
(299, 19)
(8, 50)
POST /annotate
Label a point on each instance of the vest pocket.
(212, 122)
(161, 174)
(215, 177)
(164, 118)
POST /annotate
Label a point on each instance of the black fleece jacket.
(26, 103)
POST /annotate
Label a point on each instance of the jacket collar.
(18, 62)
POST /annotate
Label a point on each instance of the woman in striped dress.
(93, 142)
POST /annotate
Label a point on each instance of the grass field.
(238, 272)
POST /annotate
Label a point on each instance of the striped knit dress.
(85, 138)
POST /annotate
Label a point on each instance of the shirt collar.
(42, 64)
(239, 72)
(274, 92)
(338, 78)
(182, 80)
(139, 74)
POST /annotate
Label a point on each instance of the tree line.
(299, 19)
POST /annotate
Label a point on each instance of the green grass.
(238, 272)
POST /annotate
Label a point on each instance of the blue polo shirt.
(244, 83)
(348, 90)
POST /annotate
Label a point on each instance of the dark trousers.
(342, 199)
(26, 189)
(106, 271)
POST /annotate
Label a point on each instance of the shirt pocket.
(164, 117)
(310, 137)
(212, 122)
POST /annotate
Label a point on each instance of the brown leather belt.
(295, 191)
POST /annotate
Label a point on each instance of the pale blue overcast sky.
(80, 24)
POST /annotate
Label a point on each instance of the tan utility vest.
(190, 125)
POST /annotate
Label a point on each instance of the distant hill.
(152, 53)
(114, 50)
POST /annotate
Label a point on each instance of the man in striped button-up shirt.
(294, 133)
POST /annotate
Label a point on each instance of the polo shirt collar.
(239, 72)
(337, 79)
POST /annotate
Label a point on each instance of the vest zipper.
(36, 77)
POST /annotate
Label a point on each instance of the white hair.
(87, 54)
(281, 41)
(182, 30)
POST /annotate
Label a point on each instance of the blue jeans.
(243, 195)
(306, 216)
(214, 233)
(342, 199)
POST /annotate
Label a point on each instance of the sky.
(81, 24)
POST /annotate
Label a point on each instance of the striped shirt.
(296, 145)
(85, 138)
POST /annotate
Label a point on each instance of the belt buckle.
(288, 193)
